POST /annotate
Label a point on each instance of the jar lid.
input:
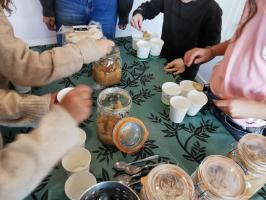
(130, 135)
(252, 147)
(169, 182)
(115, 101)
(221, 177)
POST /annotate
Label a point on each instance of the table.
(186, 144)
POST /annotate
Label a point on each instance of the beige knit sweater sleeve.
(25, 67)
(25, 162)
(22, 110)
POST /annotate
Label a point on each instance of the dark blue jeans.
(236, 130)
(81, 12)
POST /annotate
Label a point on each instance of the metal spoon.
(131, 170)
(121, 166)
(124, 178)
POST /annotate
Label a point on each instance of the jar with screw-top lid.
(250, 154)
(218, 177)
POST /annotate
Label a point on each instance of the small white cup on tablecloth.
(76, 160)
(179, 106)
(156, 46)
(143, 49)
(198, 100)
(78, 183)
(186, 87)
(83, 136)
(62, 93)
(169, 90)
(135, 39)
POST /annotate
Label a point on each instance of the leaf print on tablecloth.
(45, 195)
(147, 150)
(141, 96)
(126, 44)
(67, 82)
(105, 153)
(43, 184)
(105, 176)
(262, 192)
(157, 88)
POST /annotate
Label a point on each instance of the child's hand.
(197, 55)
(177, 66)
(78, 103)
(136, 21)
(50, 23)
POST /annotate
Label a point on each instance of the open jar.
(108, 71)
(169, 182)
(218, 177)
(250, 154)
(113, 127)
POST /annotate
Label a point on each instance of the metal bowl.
(109, 190)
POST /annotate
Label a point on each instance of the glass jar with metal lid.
(113, 127)
(250, 154)
(108, 71)
(167, 182)
(218, 177)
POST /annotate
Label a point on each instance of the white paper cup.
(62, 93)
(82, 136)
(178, 108)
(77, 160)
(169, 90)
(156, 46)
(186, 87)
(21, 89)
(198, 100)
(78, 183)
(135, 39)
(143, 49)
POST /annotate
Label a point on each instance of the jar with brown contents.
(108, 71)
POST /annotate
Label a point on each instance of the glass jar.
(250, 154)
(218, 177)
(113, 127)
(108, 71)
(169, 182)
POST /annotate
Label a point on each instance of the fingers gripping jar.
(108, 71)
(113, 127)
(217, 178)
(167, 182)
(251, 156)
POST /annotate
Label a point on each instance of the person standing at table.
(81, 12)
(238, 82)
(187, 24)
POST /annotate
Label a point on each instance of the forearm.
(48, 8)
(150, 9)
(39, 151)
(124, 8)
(219, 49)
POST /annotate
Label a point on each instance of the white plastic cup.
(143, 49)
(198, 100)
(82, 136)
(169, 90)
(62, 93)
(78, 183)
(21, 89)
(135, 39)
(76, 160)
(156, 46)
(178, 108)
(186, 87)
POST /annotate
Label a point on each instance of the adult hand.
(105, 45)
(197, 56)
(136, 21)
(78, 103)
(177, 66)
(122, 26)
(241, 108)
(50, 23)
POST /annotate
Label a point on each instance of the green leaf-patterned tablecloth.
(186, 144)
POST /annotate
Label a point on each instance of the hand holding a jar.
(78, 103)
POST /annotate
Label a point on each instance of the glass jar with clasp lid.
(167, 182)
(218, 177)
(108, 70)
(250, 154)
(114, 127)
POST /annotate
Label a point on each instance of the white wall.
(28, 25)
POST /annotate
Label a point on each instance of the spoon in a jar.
(121, 166)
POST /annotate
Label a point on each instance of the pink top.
(242, 72)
